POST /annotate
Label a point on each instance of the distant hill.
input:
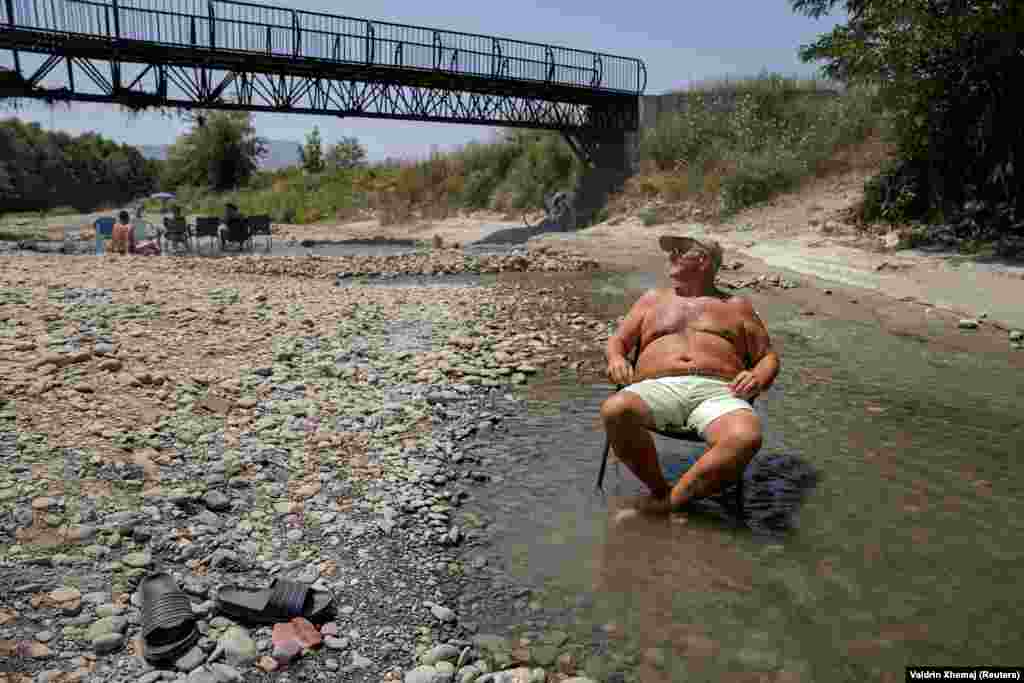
(280, 153)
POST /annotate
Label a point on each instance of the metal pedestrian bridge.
(222, 54)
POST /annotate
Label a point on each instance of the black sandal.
(280, 602)
(168, 624)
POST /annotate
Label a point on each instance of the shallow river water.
(906, 551)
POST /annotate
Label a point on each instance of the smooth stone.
(239, 648)
(443, 613)
(137, 560)
(335, 643)
(440, 653)
(217, 501)
(422, 674)
(105, 626)
(107, 643)
(202, 675)
(225, 673)
(190, 660)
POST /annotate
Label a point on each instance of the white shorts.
(690, 402)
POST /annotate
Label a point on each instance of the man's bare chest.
(677, 315)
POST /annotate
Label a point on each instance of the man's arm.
(763, 360)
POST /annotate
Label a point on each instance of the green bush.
(759, 178)
(776, 133)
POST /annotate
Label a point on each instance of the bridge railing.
(228, 25)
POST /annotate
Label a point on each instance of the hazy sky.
(679, 42)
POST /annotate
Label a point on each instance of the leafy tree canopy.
(221, 151)
(947, 72)
(45, 169)
(348, 153)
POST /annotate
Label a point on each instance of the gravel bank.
(233, 420)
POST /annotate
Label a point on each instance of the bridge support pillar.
(609, 158)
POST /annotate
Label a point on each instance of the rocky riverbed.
(231, 421)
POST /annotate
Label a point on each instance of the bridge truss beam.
(200, 87)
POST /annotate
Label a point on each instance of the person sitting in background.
(122, 240)
(231, 213)
(146, 244)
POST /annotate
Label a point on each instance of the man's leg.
(734, 439)
(626, 418)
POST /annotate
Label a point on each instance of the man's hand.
(746, 385)
(620, 371)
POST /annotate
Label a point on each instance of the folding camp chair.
(260, 225)
(689, 435)
(104, 232)
(237, 232)
(177, 232)
(207, 226)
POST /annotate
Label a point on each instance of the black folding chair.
(207, 226)
(237, 232)
(260, 225)
(177, 232)
(689, 435)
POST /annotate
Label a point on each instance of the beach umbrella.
(163, 197)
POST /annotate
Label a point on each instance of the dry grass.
(759, 83)
(709, 163)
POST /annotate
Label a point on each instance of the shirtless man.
(703, 354)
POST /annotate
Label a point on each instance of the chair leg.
(739, 497)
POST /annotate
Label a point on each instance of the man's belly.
(677, 354)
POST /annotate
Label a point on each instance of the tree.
(221, 151)
(312, 154)
(45, 169)
(348, 153)
(946, 72)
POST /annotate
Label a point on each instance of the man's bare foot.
(622, 515)
(654, 505)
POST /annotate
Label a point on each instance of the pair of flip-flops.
(169, 625)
